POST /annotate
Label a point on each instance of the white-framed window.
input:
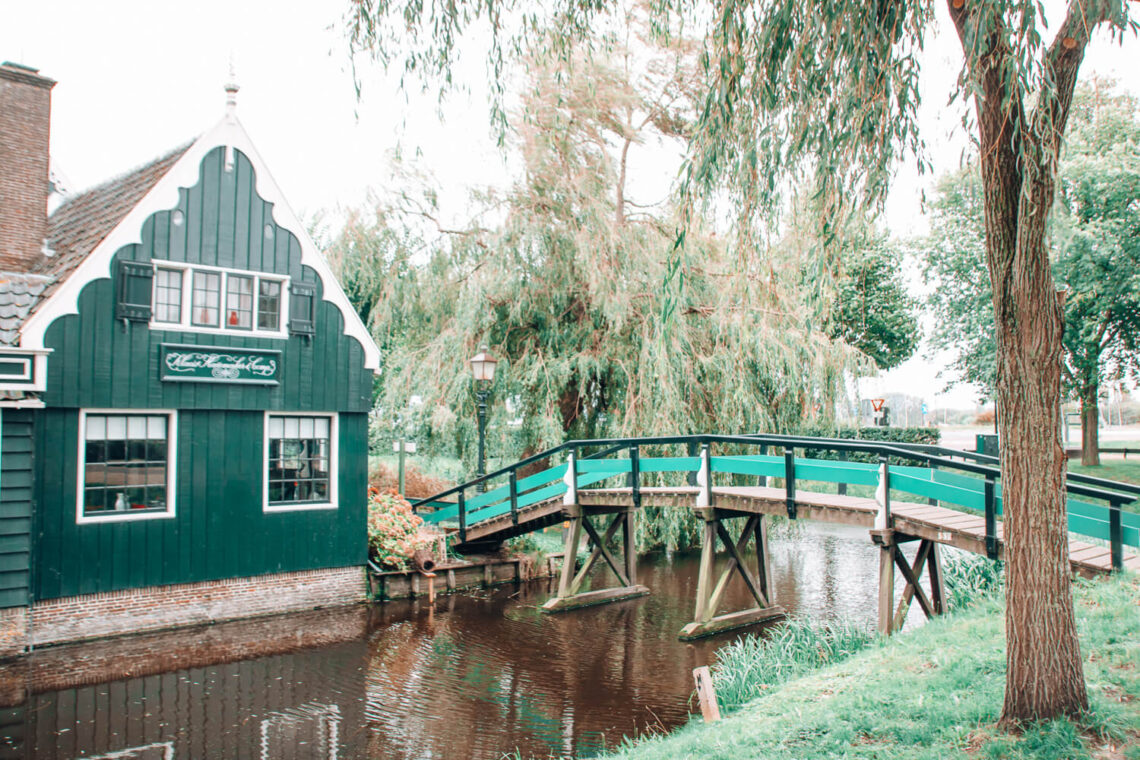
(206, 293)
(239, 302)
(168, 294)
(126, 465)
(300, 461)
(269, 304)
(199, 298)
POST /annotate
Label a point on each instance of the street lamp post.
(483, 370)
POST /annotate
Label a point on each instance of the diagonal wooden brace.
(570, 583)
(705, 620)
(600, 545)
(736, 562)
(913, 589)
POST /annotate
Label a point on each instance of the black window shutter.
(301, 302)
(135, 278)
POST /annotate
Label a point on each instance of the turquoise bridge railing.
(929, 472)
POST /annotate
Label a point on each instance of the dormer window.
(211, 299)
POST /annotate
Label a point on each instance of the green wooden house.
(184, 418)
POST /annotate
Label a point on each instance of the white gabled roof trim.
(163, 196)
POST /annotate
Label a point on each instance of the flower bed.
(393, 530)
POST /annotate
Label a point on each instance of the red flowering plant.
(393, 529)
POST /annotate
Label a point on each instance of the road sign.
(877, 404)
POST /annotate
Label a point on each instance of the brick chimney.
(25, 110)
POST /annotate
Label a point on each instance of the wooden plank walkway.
(949, 527)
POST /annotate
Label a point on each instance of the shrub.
(747, 667)
(985, 418)
(393, 529)
(919, 435)
(417, 485)
(927, 435)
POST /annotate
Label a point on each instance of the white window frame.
(171, 463)
(186, 324)
(183, 312)
(334, 464)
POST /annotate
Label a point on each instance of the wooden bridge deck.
(949, 527)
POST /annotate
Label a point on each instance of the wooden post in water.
(706, 694)
(886, 541)
(702, 614)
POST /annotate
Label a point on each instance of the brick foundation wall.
(94, 616)
(13, 630)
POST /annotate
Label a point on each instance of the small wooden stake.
(706, 694)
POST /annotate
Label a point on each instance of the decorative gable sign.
(218, 364)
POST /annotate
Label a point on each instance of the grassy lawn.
(935, 692)
(1113, 468)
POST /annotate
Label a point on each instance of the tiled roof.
(19, 294)
(83, 221)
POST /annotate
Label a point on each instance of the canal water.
(483, 674)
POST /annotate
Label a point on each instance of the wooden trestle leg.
(570, 583)
(928, 557)
(705, 620)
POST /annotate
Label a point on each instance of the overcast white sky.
(137, 77)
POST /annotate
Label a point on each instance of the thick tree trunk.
(1044, 676)
(1090, 433)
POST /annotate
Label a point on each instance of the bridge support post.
(928, 558)
(709, 591)
(886, 541)
(570, 596)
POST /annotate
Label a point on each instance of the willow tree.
(566, 283)
(826, 94)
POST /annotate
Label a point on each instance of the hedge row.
(924, 435)
(920, 435)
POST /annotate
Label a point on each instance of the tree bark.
(1090, 424)
(1044, 675)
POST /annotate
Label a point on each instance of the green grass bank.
(935, 692)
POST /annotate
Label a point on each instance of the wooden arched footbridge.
(731, 480)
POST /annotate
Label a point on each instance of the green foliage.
(919, 435)
(873, 311)
(924, 435)
(1096, 236)
(934, 693)
(569, 289)
(393, 530)
(970, 578)
(953, 258)
(753, 664)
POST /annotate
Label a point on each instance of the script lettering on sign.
(207, 364)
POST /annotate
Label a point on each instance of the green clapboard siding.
(220, 529)
(16, 426)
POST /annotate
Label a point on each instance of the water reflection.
(478, 675)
